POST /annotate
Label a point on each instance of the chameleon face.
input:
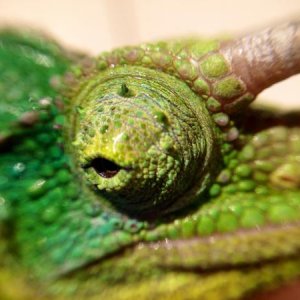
(129, 179)
(130, 139)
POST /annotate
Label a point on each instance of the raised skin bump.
(223, 224)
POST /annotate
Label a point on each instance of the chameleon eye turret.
(131, 136)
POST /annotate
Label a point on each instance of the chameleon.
(145, 172)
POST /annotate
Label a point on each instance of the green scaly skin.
(125, 176)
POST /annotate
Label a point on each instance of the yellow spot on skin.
(287, 176)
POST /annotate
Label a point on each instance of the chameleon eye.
(104, 167)
(135, 147)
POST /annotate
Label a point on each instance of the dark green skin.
(224, 231)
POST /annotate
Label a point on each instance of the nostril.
(104, 167)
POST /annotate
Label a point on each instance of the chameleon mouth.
(104, 167)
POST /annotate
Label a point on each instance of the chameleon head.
(144, 139)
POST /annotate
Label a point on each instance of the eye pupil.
(104, 167)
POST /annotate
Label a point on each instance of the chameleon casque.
(143, 174)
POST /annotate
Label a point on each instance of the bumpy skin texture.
(125, 176)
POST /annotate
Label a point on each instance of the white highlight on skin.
(116, 141)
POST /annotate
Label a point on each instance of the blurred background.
(96, 25)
